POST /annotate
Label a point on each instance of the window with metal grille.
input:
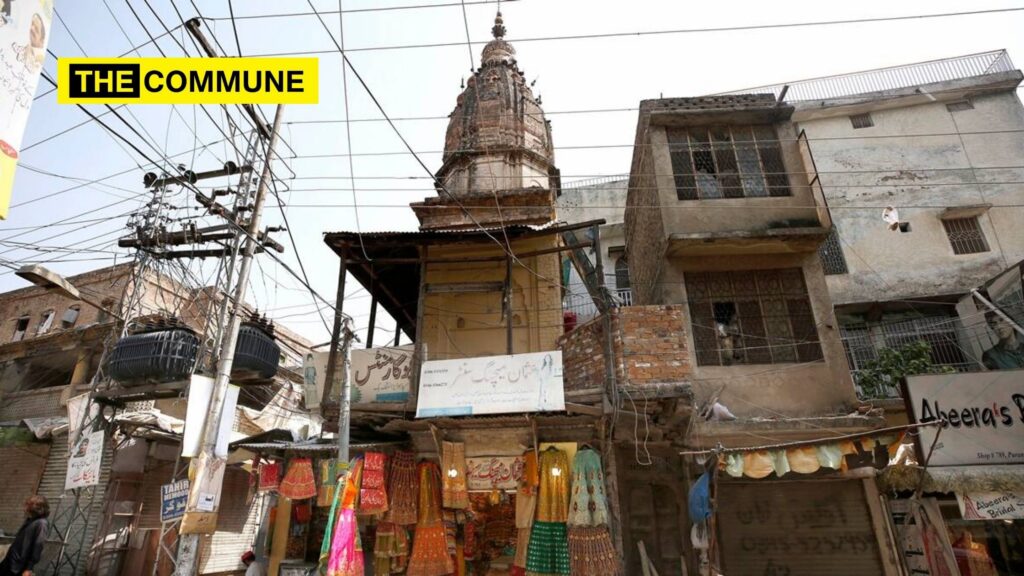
(861, 121)
(831, 254)
(727, 162)
(863, 341)
(965, 235)
(960, 106)
(751, 317)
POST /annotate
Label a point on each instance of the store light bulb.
(452, 472)
(556, 471)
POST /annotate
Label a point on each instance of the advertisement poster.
(173, 498)
(492, 385)
(84, 461)
(24, 32)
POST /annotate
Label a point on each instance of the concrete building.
(50, 349)
(758, 332)
(596, 199)
(942, 143)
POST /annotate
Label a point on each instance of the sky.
(572, 75)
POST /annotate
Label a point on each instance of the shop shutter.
(158, 473)
(52, 487)
(796, 528)
(23, 468)
(237, 525)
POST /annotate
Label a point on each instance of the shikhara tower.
(499, 161)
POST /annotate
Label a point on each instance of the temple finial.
(499, 26)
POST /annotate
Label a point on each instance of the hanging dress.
(526, 509)
(548, 551)
(590, 543)
(430, 554)
(455, 494)
(346, 549)
(299, 482)
(403, 488)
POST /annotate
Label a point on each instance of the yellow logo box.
(188, 81)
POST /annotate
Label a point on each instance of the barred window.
(752, 317)
(831, 254)
(861, 121)
(965, 235)
(727, 162)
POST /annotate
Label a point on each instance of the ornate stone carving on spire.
(497, 149)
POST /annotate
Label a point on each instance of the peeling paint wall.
(957, 164)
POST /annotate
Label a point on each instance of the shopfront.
(482, 495)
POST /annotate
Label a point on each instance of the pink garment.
(346, 549)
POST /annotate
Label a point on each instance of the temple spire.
(499, 26)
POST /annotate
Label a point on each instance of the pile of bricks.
(648, 344)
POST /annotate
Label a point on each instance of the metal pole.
(208, 463)
(345, 415)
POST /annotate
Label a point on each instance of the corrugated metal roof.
(310, 446)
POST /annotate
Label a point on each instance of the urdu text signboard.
(378, 375)
(491, 385)
(984, 413)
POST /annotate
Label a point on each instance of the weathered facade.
(940, 142)
(50, 350)
(759, 339)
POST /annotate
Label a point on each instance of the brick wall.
(645, 226)
(648, 343)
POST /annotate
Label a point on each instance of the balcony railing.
(891, 78)
(583, 306)
(864, 341)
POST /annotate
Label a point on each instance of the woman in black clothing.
(27, 547)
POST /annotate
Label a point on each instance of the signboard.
(492, 385)
(494, 472)
(199, 394)
(378, 375)
(991, 505)
(984, 413)
(24, 32)
(381, 374)
(84, 461)
(173, 498)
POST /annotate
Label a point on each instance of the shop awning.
(992, 478)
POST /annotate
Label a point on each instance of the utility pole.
(209, 468)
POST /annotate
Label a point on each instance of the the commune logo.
(188, 81)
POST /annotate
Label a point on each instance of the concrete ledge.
(756, 432)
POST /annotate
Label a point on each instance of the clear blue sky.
(570, 74)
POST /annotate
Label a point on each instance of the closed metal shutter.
(23, 467)
(796, 528)
(237, 524)
(158, 473)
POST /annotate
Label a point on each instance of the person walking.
(27, 547)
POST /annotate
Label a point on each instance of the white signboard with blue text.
(984, 414)
(491, 385)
